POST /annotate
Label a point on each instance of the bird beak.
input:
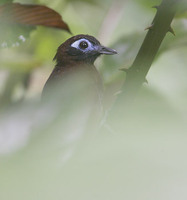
(106, 50)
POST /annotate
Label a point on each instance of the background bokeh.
(57, 152)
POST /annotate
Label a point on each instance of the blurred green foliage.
(52, 153)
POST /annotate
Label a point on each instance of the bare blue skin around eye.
(88, 49)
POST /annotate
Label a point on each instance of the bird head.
(82, 48)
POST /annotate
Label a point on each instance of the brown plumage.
(75, 58)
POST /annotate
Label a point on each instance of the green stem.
(136, 75)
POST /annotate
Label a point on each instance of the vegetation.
(62, 151)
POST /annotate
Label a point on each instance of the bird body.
(60, 74)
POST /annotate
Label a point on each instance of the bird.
(75, 65)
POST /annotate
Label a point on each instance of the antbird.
(75, 57)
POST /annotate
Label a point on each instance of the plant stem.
(136, 75)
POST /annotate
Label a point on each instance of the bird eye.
(83, 45)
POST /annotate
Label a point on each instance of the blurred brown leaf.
(32, 15)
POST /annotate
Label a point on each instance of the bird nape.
(75, 73)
